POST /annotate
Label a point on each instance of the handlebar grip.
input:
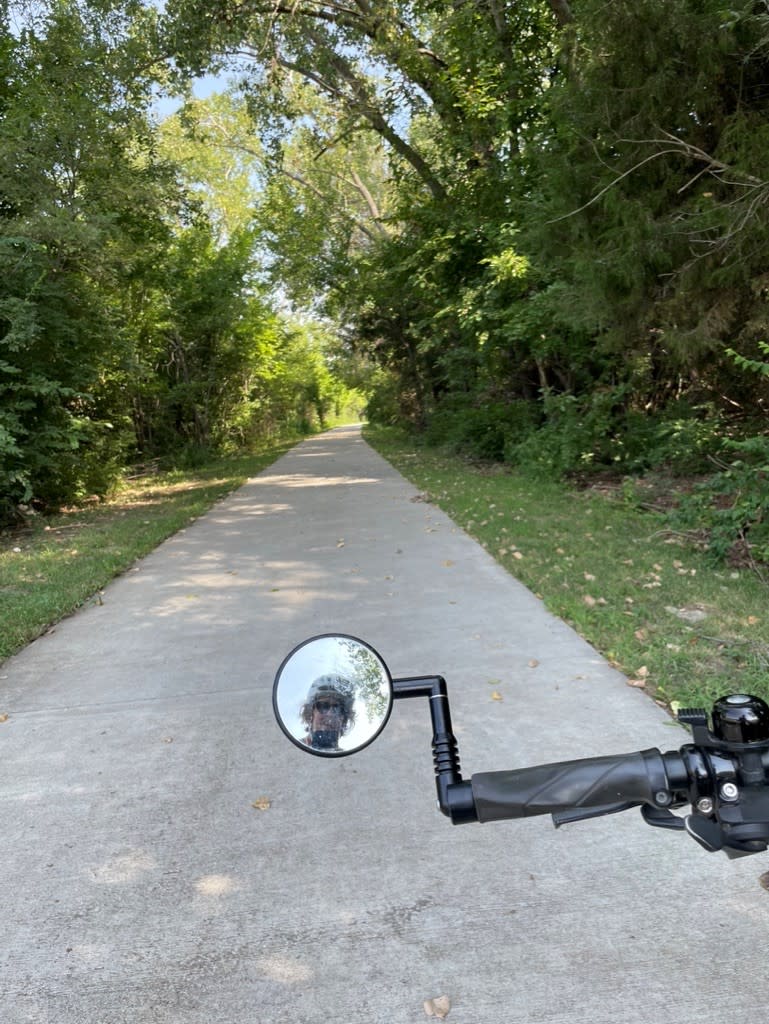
(621, 779)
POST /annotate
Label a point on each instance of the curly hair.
(306, 711)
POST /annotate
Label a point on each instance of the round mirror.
(332, 695)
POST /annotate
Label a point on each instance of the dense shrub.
(577, 434)
(731, 508)
(387, 401)
(483, 431)
(683, 439)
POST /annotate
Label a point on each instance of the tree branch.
(713, 165)
(360, 102)
(373, 209)
(359, 224)
(498, 17)
(611, 184)
(562, 11)
(678, 146)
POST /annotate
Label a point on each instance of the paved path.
(140, 886)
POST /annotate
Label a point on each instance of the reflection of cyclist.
(328, 712)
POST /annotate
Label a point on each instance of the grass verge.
(685, 630)
(53, 565)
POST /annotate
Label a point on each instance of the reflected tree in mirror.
(368, 666)
(332, 695)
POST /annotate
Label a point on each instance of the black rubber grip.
(592, 782)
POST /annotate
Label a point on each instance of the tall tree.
(82, 198)
(650, 205)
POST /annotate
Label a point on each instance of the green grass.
(54, 565)
(611, 570)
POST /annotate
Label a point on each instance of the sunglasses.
(329, 706)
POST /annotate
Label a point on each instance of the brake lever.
(660, 817)
(705, 831)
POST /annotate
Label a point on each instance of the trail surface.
(141, 886)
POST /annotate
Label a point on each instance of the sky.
(201, 88)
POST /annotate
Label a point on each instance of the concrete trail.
(140, 885)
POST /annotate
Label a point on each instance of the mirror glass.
(332, 695)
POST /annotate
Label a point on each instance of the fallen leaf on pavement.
(497, 696)
(533, 663)
(262, 804)
(438, 1007)
(448, 562)
(640, 683)
(3, 718)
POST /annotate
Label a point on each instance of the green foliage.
(759, 366)
(132, 324)
(384, 403)
(488, 431)
(576, 436)
(80, 207)
(681, 439)
(732, 506)
(542, 225)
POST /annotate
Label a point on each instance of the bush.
(683, 439)
(578, 434)
(481, 431)
(597, 431)
(386, 404)
(732, 506)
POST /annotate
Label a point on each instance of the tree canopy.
(535, 229)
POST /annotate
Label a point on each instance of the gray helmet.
(332, 686)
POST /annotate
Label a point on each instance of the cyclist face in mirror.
(332, 695)
(328, 712)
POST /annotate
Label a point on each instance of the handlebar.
(725, 781)
(600, 785)
(723, 775)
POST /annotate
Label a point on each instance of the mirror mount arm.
(455, 795)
